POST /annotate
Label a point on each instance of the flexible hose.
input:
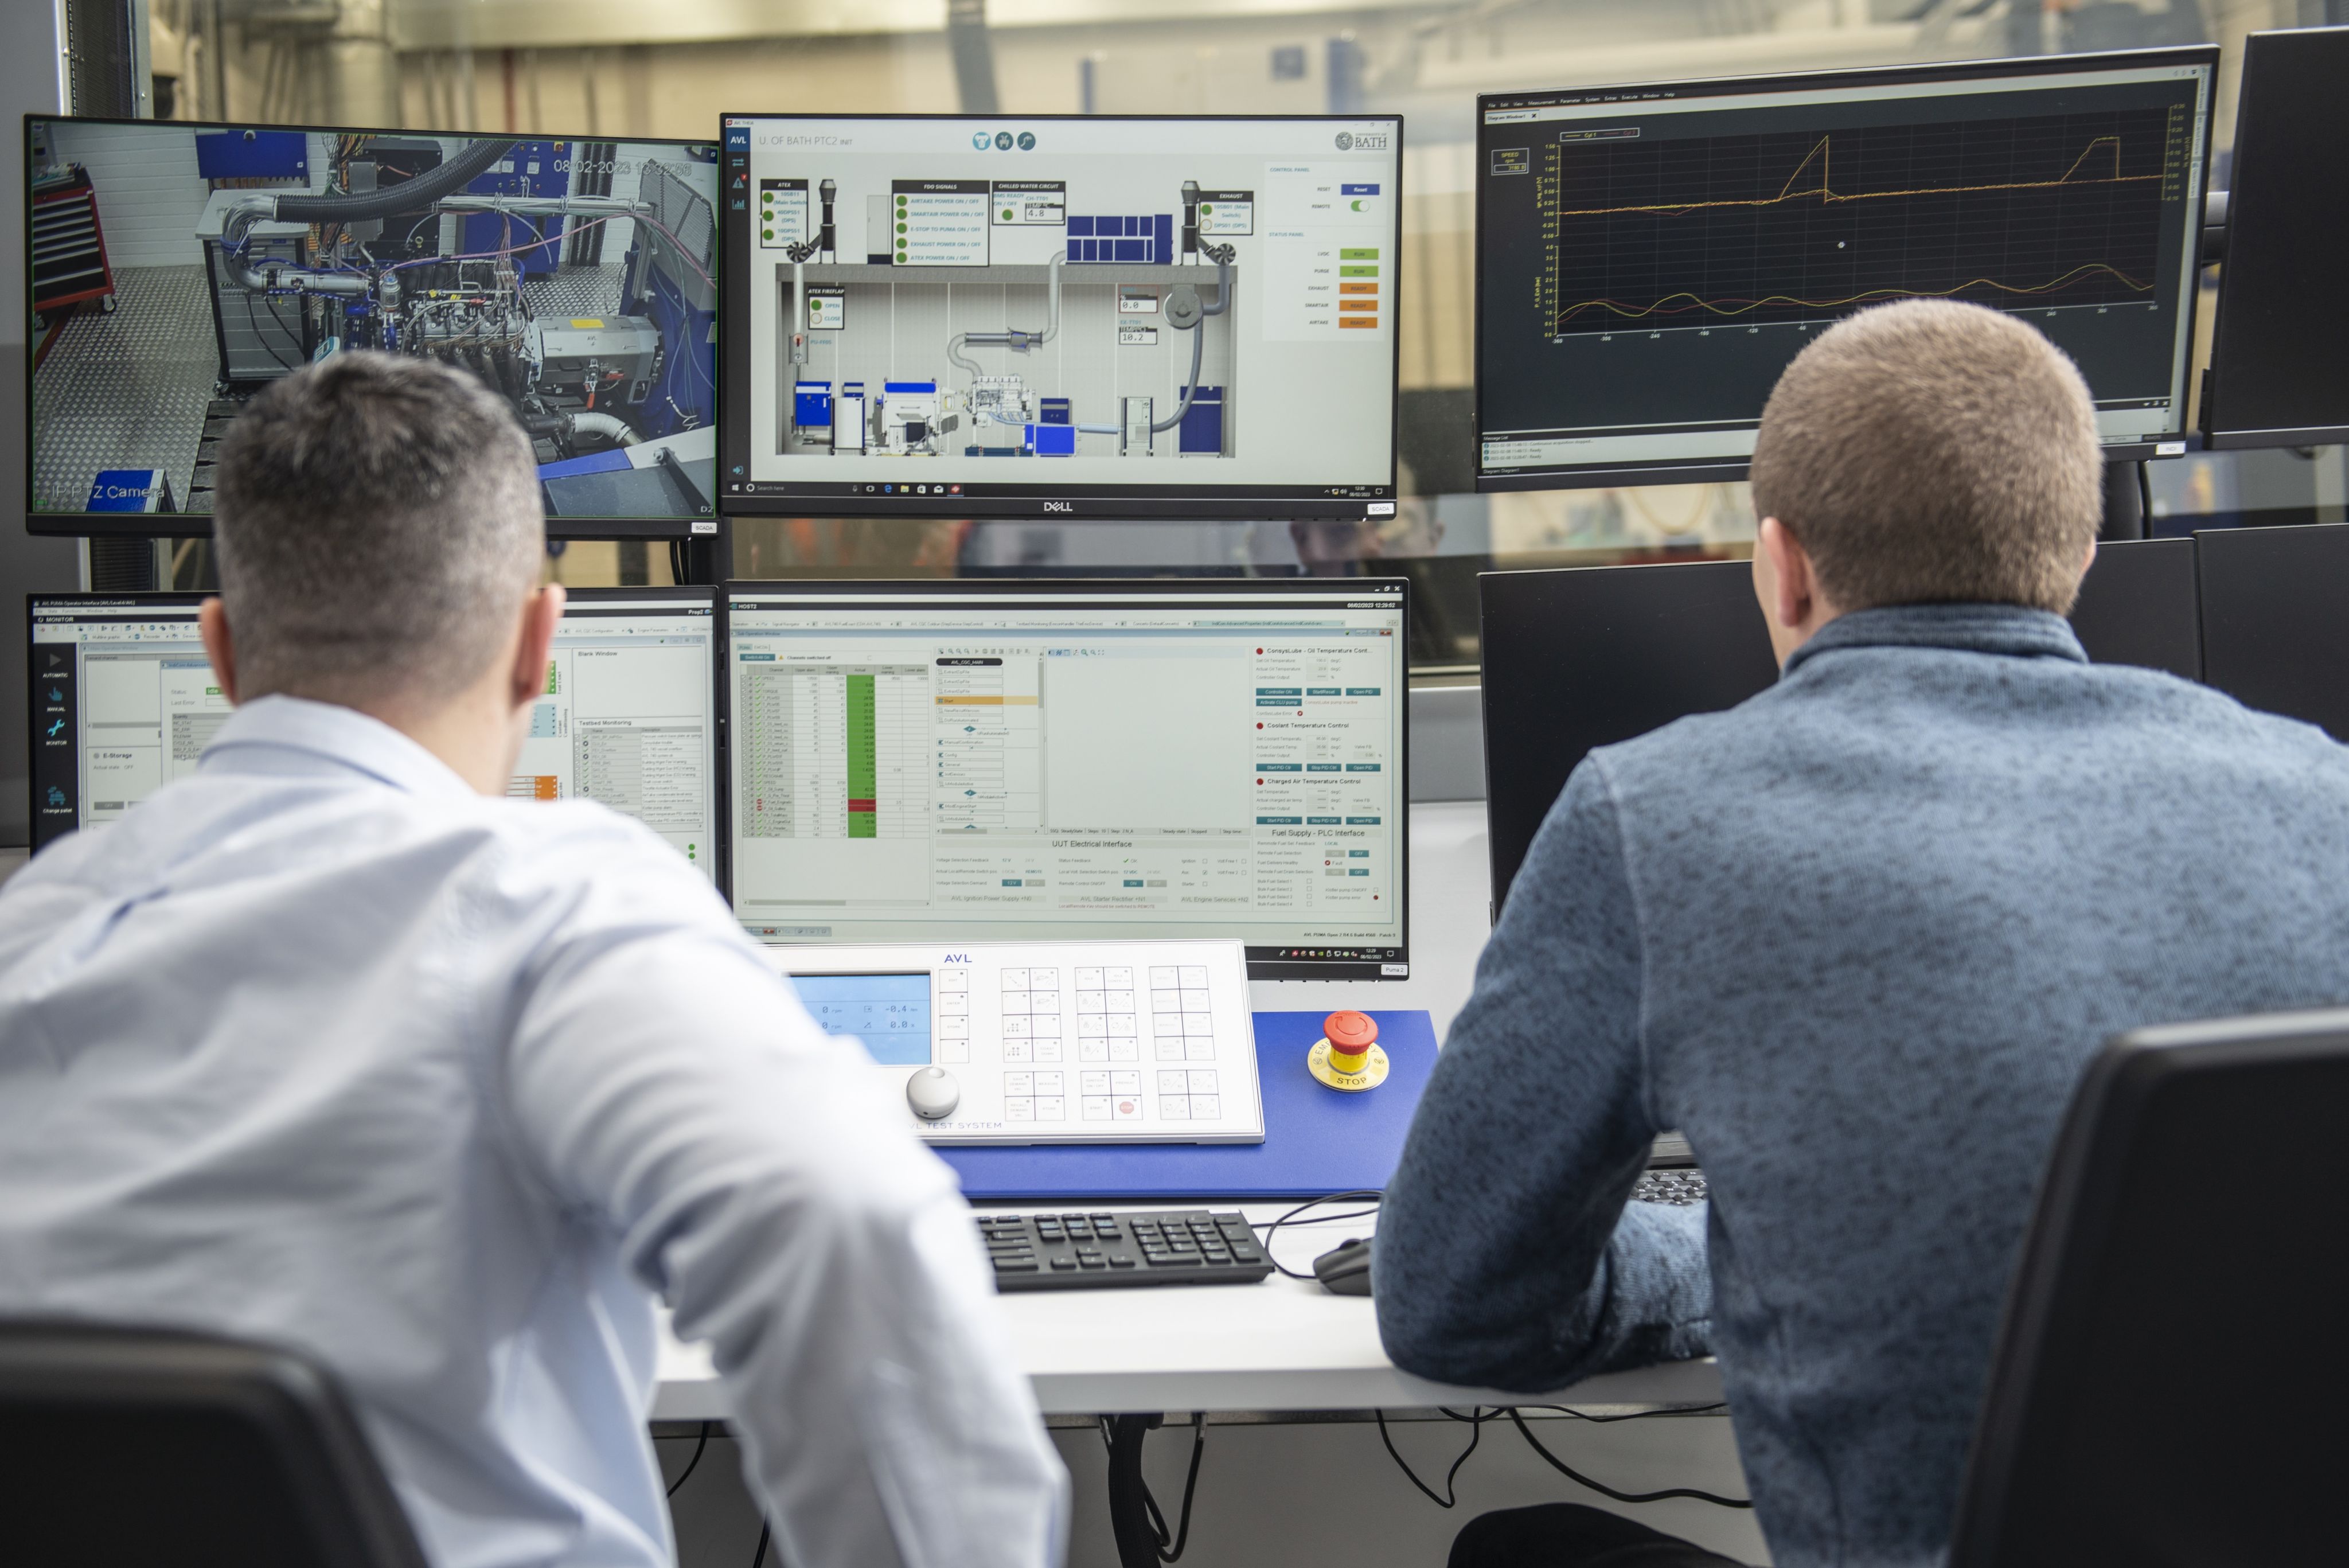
(617, 430)
(1199, 347)
(404, 197)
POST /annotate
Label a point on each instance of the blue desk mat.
(1316, 1140)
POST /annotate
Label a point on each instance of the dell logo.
(1060, 507)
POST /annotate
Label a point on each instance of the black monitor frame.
(197, 525)
(2265, 277)
(1263, 962)
(1697, 471)
(1068, 504)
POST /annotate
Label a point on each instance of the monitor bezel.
(1081, 503)
(1582, 476)
(2217, 436)
(198, 525)
(1263, 962)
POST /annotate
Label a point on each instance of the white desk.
(1284, 1345)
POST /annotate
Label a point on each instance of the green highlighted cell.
(1358, 272)
(1357, 254)
(862, 819)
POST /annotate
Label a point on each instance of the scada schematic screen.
(1080, 316)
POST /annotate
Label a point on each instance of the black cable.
(760, 1555)
(1475, 1436)
(1570, 1473)
(291, 335)
(1629, 1415)
(1271, 1227)
(687, 1473)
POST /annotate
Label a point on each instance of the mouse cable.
(1475, 1420)
(760, 1555)
(1272, 1226)
(1570, 1473)
(1169, 1544)
(687, 1474)
(1628, 1415)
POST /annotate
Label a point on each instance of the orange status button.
(1358, 321)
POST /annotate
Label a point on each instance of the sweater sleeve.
(1509, 1254)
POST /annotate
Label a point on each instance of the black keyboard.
(1079, 1252)
(1678, 1187)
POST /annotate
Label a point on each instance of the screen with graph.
(1651, 257)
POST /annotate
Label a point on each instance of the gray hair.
(379, 527)
(1932, 451)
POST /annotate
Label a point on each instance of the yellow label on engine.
(582, 321)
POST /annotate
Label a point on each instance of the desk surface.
(1283, 1345)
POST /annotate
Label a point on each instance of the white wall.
(149, 194)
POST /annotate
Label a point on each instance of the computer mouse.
(1345, 1269)
(934, 1093)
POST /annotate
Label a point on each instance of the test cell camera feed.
(177, 270)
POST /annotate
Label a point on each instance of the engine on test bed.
(410, 252)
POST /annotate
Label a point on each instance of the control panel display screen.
(888, 1014)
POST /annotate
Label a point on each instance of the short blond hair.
(1932, 451)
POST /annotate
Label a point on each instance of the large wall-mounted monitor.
(1649, 258)
(124, 701)
(177, 269)
(2279, 343)
(1087, 316)
(978, 760)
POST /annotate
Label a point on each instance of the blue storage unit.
(1145, 237)
(1203, 423)
(812, 405)
(1053, 441)
(1055, 412)
(252, 155)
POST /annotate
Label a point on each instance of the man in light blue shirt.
(332, 1045)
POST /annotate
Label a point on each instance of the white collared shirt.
(320, 1047)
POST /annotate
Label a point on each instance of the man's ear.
(212, 622)
(541, 614)
(1790, 584)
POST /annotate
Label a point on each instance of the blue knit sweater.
(1856, 937)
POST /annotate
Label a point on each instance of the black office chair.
(2170, 1377)
(129, 1447)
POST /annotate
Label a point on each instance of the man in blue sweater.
(1855, 937)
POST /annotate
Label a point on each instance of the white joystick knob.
(933, 1092)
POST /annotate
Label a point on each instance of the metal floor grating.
(575, 291)
(126, 389)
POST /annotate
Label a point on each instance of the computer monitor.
(2279, 343)
(1604, 654)
(123, 702)
(1649, 258)
(973, 759)
(1095, 315)
(177, 269)
(2273, 634)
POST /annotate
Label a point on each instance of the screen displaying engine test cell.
(1101, 316)
(124, 700)
(177, 269)
(1651, 258)
(972, 761)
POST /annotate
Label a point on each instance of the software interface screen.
(1027, 766)
(179, 269)
(957, 310)
(1652, 258)
(124, 701)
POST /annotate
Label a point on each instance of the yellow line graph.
(1823, 155)
(1740, 307)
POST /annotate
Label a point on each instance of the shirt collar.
(295, 735)
(2008, 630)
